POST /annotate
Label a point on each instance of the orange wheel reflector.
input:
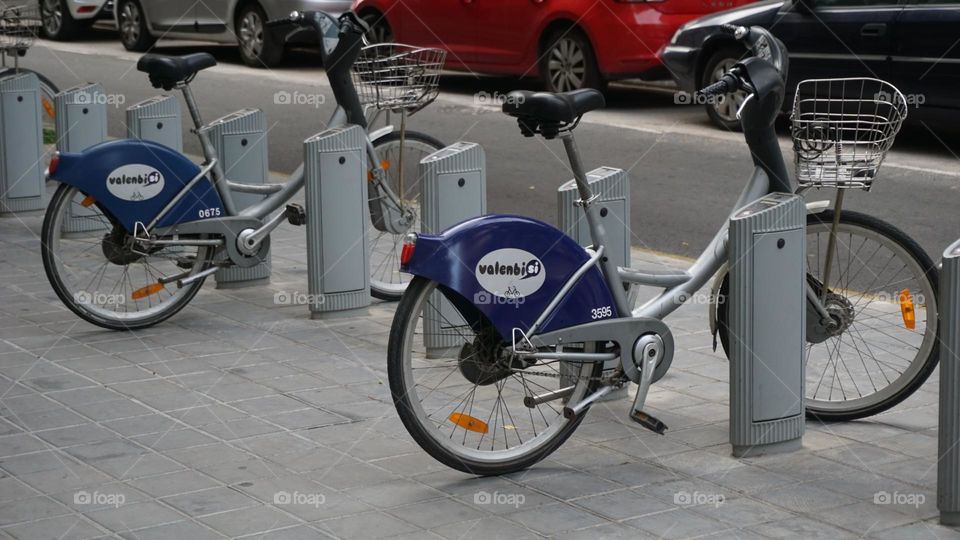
(48, 107)
(906, 309)
(87, 201)
(370, 176)
(144, 292)
(468, 422)
(385, 165)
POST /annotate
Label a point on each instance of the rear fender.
(509, 268)
(131, 180)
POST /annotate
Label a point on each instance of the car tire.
(259, 46)
(132, 24)
(57, 22)
(380, 31)
(722, 114)
(567, 62)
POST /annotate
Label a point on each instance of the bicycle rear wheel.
(387, 282)
(465, 403)
(104, 277)
(883, 289)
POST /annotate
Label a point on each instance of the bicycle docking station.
(22, 183)
(156, 119)
(454, 184)
(240, 139)
(948, 453)
(767, 327)
(337, 217)
(613, 189)
(81, 123)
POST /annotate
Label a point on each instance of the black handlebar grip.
(728, 83)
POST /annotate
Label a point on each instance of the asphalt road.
(685, 174)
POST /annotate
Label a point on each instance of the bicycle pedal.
(296, 215)
(649, 421)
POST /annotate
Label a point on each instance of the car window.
(855, 3)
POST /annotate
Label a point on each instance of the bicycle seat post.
(191, 105)
(573, 155)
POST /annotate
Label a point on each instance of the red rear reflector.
(86, 9)
(409, 244)
(54, 162)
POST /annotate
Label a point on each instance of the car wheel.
(259, 47)
(58, 23)
(568, 63)
(132, 23)
(723, 112)
(380, 31)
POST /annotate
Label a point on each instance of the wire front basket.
(395, 77)
(842, 129)
(18, 26)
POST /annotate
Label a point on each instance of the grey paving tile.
(623, 504)
(262, 520)
(181, 529)
(30, 509)
(70, 527)
(19, 443)
(370, 525)
(173, 483)
(485, 528)
(209, 501)
(800, 527)
(677, 523)
(130, 517)
(573, 485)
(554, 518)
(395, 493)
(804, 498)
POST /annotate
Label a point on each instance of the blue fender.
(132, 180)
(510, 268)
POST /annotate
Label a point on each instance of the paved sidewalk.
(241, 417)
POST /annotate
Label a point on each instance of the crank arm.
(252, 238)
(648, 351)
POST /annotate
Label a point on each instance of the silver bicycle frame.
(279, 194)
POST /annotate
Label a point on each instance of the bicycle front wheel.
(883, 292)
(465, 399)
(103, 276)
(387, 282)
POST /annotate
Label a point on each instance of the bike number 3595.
(601, 312)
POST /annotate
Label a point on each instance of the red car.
(569, 44)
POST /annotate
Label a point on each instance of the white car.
(67, 19)
(142, 22)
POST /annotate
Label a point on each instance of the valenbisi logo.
(510, 273)
(135, 182)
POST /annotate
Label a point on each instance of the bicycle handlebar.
(338, 59)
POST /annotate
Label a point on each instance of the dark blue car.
(913, 44)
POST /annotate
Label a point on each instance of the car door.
(926, 55)
(504, 29)
(170, 16)
(837, 38)
(443, 24)
(214, 17)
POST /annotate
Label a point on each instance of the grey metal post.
(612, 186)
(948, 454)
(81, 123)
(21, 144)
(454, 181)
(240, 139)
(338, 273)
(156, 119)
(767, 330)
